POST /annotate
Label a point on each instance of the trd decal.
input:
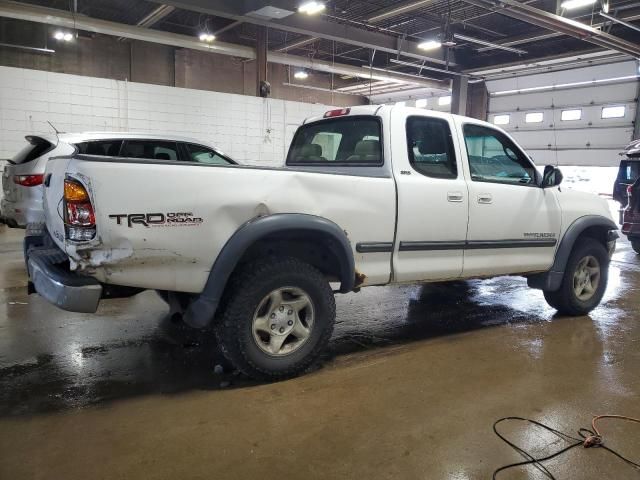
(173, 219)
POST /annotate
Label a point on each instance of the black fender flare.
(202, 310)
(552, 279)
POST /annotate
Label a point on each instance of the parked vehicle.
(371, 195)
(628, 172)
(22, 179)
(631, 216)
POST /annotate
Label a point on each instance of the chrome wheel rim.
(586, 278)
(283, 321)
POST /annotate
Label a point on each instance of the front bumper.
(51, 279)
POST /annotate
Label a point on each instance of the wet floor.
(413, 380)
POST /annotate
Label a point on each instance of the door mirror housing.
(552, 177)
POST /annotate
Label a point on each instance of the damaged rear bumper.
(51, 279)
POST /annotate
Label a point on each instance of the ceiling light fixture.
(301, 75)
(429, 45)
(571, 4)
(207, 37)
(60, 35)
(311, 8)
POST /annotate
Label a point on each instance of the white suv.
(23, 176)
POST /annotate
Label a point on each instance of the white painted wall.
(588, 141)
(249, 129)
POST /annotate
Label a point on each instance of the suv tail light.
(79, 217)
(28, 180)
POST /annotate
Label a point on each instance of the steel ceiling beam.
(620, 21)
(566, 26)
(156, 15)
(398, 9)
(314, 26)
(302, 42)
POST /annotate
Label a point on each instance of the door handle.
(454, 196)
(485, 198)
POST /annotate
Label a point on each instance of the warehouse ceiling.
(482, 35)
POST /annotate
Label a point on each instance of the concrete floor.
(414, 379)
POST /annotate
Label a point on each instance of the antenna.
(55, 130)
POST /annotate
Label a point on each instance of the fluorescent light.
(613, 112)
(421, 103)
(442, 101)
(207, 37)
(571, 4)
(68, 37)
(311, 8)
(501, 119)
(568, 115)
(301, 75)
(534, 117)
(58, 35)
(429, 45)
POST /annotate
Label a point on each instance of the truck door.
(432, 196)
(513, 223)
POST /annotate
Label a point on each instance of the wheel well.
(315, 248)
(597, 232)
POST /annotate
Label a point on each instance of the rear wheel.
(635, 244)
(277, 318)
(584, 281)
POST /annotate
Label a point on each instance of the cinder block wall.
(251, 130)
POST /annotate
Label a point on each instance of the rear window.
(349, 141)
(36, 147)
(629, 171)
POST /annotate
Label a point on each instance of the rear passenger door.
(432, 197)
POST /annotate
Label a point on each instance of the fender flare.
(552, 279)
(202, 310)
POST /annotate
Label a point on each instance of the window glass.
(421, 103)
(152, 149)
(571, 115)
(442, 101)
(493, 157)
(200, 154)
(103, 148)
(629, 171)
(36, 148)
(501, 119)
(346, 141)
(430, 147)
(534, 117)
(613, 112)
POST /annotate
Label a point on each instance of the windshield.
(36, 147)
(339, 141)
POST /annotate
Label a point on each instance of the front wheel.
(635, 244)
(277, 318)
(584, 281)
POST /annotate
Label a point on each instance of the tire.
(270, 299)
(635, 244)
(567, 300)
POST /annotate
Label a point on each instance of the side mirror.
(552, 177)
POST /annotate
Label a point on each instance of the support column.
(478, 101)
(261, 57)
(636, 125)
(459, 95)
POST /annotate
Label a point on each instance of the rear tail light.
(28, 180)
(337, 113)
(79, 217)
(629, 189)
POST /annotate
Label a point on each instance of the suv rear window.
(37, 147)
(629, 171)
(102, 148)
(342, 141)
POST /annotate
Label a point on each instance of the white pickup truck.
(370, 195)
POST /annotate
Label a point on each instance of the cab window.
(430, 147)
(346, 141)
(200, 154)
(494, 158)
